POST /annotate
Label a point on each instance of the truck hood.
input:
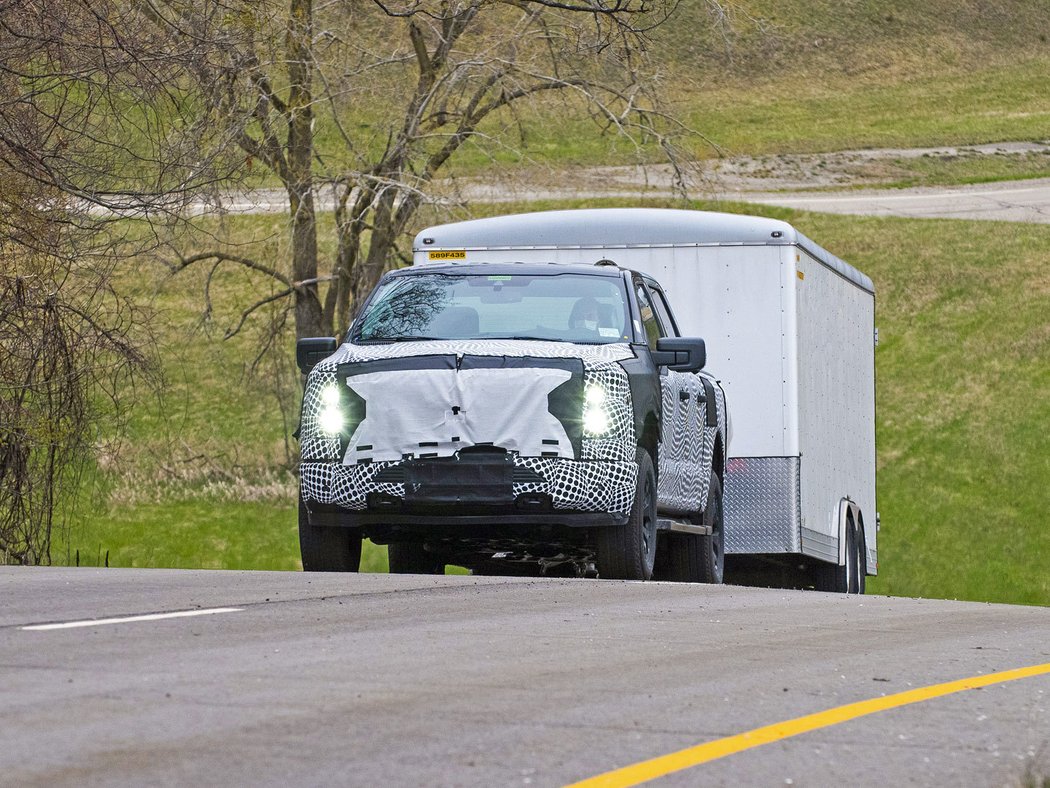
(435, 398)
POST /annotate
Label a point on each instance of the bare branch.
(222, 257)
(231, 332)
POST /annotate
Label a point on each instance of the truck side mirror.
(310, 350)
(680, 354)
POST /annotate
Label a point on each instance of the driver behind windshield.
(584, 315)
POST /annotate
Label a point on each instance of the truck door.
(678, 487)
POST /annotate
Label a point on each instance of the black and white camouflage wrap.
(687, 442)
(601, 480)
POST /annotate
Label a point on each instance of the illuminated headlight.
(596, 421)
(594, 395)
(331, 419)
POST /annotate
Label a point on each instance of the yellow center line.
(644, 771)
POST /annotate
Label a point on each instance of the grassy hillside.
(815, 75)
(769, 77)
(812, 75)
(964, 455)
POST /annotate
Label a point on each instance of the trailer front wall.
(740, 299)
(732, 296)
(759, 319)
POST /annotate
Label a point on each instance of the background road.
(1008, 201)
(787, 180)
(1011, 201)
(375, 679)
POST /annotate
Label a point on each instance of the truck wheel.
(700, 559)
(327, 548)
(628, 552)
(409, 558)
(712, 547)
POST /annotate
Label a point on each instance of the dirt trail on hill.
(840, 182)
(825, 182)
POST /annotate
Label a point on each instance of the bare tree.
(111, 109)
(374, 100)
(68, 342)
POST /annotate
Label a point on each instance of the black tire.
(699, 559)
(842, 579)
(410, 558)
(860, 585)
(327, 548)
(713, 547)
(628, 552)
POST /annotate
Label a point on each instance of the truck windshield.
(557, 307)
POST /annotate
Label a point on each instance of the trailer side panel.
(836, 398)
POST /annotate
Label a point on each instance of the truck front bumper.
(483, 521)
(536, 489)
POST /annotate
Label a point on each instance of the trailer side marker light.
(801, 275)
(719, 748)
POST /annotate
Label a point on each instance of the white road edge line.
(98, 622)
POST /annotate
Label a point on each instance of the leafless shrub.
(66, 353)
(69, 343)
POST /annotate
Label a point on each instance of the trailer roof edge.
(627, 227)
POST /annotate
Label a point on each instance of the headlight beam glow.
(331, 419)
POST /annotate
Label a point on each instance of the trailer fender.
(848, 511)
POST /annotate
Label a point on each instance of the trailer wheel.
(628, 552)
(327, 548)
(860, 582)
(410, 558)
(700, 559)
(845, 578)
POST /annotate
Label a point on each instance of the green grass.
(964, 455)
(774, 77)
(794, 113)
(997, 103)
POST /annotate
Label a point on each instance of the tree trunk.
(309, 316)
(380, 249)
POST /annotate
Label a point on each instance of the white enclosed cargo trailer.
(789, 328)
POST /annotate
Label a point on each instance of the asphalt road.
(380, 680)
